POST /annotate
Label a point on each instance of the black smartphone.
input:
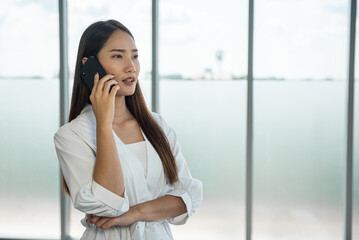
(89, 69)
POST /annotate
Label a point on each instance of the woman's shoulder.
(84, 122)
(158, 118)
(161, 121)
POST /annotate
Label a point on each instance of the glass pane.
(29, 103)
(203, 97)
(299, 119)
(136, 16)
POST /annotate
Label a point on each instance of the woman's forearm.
(108, 171)
(160, 209)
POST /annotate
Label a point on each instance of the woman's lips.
(129, 81)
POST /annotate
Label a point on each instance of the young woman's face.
(119, 56)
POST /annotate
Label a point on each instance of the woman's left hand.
(106, 222)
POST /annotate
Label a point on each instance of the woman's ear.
(84, 59)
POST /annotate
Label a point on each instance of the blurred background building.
(300, 69)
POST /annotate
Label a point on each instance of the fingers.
(102, 81)
(89, 218)
(99, 221)
(114, 90)
(109, 223)
(108, 84)
(95, 83)
(92, 218)
(102, 86)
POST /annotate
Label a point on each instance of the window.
(300, 107)
(300, 64)
(29, 93)
(202, 64)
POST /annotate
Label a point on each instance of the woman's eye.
(118, 56)
(136, 56)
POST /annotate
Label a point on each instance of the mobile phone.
(89, 69)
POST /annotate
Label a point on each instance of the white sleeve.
(77, 161)
(187, 187)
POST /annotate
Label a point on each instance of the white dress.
(75, 144)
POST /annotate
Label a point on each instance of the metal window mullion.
(249, 151)
(350, 119)
(64, 100)
(154, 72)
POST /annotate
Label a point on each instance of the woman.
(122, 164)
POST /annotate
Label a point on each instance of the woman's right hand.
(103, 101)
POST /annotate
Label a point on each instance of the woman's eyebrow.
(122, 50)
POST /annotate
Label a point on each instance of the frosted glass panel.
(209, 119)
(203, 65)
(298, 160)
(29, 179)
(29, 86)
(299, 119)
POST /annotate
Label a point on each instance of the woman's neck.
(122, 114)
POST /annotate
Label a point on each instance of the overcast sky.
(293, 39)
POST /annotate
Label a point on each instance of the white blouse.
(139, 150)
(75, 144)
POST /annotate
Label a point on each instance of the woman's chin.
(118, 94)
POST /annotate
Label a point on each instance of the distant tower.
(219, 57)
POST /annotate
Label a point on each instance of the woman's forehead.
(120, 40)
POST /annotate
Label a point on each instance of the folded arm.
(159, 209)
(162, 208)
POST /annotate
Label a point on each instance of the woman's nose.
(130, 66)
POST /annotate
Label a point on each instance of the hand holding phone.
(103, 103)
(89, 69)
